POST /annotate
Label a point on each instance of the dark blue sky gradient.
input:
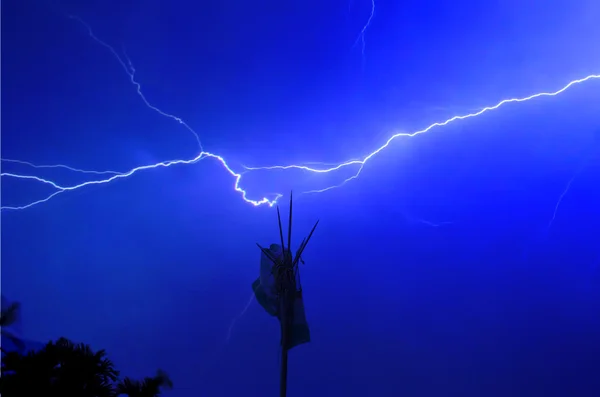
(155, 268)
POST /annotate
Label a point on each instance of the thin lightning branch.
(130, 70)
(361, 36)
(230, 330)
(38, 179)
(429, 223)
(563, 194)
(545, 233)
(560, 199)
(307, 163)
(60, 166)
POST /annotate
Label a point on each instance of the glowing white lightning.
(359, 162)
(364, 160)
(62, 189)
(128, 68)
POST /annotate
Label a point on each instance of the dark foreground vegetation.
(63, 368)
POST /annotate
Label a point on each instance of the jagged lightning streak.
(62, 189)
(127, 66)
(565, 191)
(130, 71)
(361, 163)
(357, 162)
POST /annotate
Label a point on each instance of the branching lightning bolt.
(324, 168)
(127, 66)
(62, 189)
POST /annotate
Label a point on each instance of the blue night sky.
(462, 262)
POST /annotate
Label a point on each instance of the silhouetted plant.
(8, 317)
(63, 368)
(148, 387)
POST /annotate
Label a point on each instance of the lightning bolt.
(127, 66)
(361, 162)
(202, 155)
(320, 168)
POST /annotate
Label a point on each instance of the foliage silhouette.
(8, 317)
(148, 387)
(63, 368)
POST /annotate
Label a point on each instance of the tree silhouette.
(148, 387)
(8, 317)
(63, 368)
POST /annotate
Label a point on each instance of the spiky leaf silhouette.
(60, 368)
(147, 387)
(8, 317)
